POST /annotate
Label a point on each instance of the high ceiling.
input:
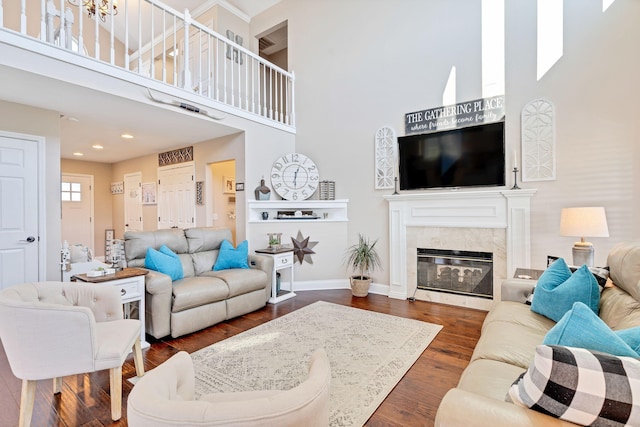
(92, 117)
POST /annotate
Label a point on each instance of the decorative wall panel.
(538, 141)
(181, 155)
(385, 148)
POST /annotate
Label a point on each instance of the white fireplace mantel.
(506, 209)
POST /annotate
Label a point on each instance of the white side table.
(282, 260)
(130, 281)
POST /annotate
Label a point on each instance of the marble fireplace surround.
(496, 221)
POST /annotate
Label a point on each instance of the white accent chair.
(165, 397)
(54, 329)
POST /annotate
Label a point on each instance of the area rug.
(368, 352)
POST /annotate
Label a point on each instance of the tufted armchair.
(165, 397)
(55, 329)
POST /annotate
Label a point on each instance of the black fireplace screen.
(458, 272)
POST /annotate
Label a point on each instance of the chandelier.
(102, 7)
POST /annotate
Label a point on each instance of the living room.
(361, 65)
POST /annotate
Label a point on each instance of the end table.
(282, 259)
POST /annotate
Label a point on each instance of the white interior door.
(77, 209)
(133, 201)
(19, 234)
(176, 196)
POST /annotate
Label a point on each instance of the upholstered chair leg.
(115, 382)
(26, 402)
(137, 358)
(57, 385)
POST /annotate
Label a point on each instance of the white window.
(71, 192)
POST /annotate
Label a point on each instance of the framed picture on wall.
(228, 185)
(149, 193)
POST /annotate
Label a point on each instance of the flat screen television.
(465, 157)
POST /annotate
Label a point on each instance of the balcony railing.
(156, 41)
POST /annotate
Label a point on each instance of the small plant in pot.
(363, 259)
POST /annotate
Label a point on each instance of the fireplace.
(455, 271)
(495, 221)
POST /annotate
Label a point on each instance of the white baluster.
(96, 54)
(139, 37)
(43, 19)
(153, 45)
(164, 47)
(293, 99)
(112, 47)
(51, 13)
(175, 52)
(80, 30)
(23, 16)
(62, 33)
(187, 72)
(126, 35)
(68, 25)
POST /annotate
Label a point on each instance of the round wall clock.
(294, 177)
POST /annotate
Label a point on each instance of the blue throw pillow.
(557, 290)
(167, 264)
(228, 257)
(581, 327)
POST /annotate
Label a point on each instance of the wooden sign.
(484, 110)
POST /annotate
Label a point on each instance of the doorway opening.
(76, 193)
(273, 45)
(221, 195)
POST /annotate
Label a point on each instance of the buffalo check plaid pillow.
(581, 386)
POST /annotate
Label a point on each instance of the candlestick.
(515, 179)
(515, 159)
(395, 185)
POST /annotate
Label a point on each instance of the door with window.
(176, 196)
(76, 193)
(19, 230)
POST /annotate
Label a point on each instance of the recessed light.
(77, 153)
(126, 136)
(97, 146)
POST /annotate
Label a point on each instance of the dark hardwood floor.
(84, 400)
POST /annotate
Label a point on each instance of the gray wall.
(363, 64)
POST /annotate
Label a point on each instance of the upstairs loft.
(171, 57)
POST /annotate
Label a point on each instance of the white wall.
(35, 121)
(362, 64)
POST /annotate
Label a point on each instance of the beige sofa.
(510, 334)
(203, 297)
(165, 396)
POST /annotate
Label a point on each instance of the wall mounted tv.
(464, 157)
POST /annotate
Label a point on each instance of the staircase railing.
(161, 43)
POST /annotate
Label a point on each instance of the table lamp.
(581, 222)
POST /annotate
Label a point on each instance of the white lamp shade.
(583, 222)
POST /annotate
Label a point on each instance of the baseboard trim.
(323, 285)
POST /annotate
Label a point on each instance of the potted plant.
(363, 259)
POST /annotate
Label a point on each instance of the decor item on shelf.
(581, 222)
(262, 192)
(302, 248)
(327, 190)
(385, 152)
(275, 240)
(102, 8)
(265, 215)
(363, 258)
(294, 177)
(515, 171)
